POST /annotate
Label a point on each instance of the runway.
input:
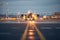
(40, 31)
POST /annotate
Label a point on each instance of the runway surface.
(38, 31)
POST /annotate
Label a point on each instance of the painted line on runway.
(25, 33)
(40, 34)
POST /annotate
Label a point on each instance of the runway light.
(44, 16)
(41, 18)
(31, 22)
(24, 17)
(33, 15)
(31, 37)
(31, 33)
(31, 30)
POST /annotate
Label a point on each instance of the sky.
(42, 7)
